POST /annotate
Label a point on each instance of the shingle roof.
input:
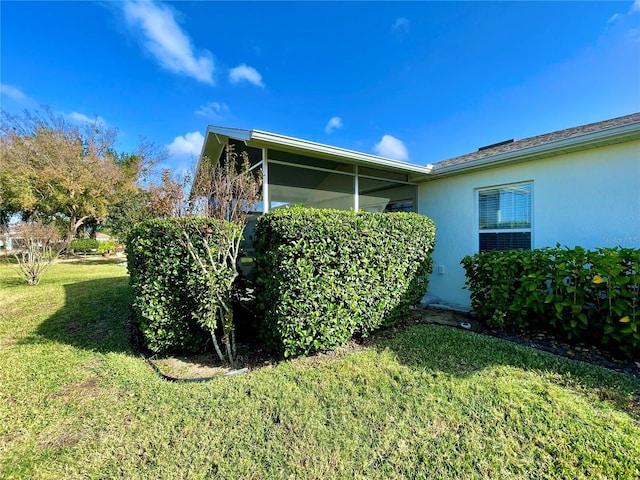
(514, 145)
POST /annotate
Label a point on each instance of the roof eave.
(617, 134)
(236, 133)
(336, 152)
(260, 137)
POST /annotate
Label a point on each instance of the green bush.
(324, 275)
(85, 245)
(585, 295)
(495, 280)
(171, 295)
(106, 246)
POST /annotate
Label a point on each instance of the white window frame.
(478, 230)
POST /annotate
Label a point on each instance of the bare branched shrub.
(232, 191)
(169, 198)
(40, 246)
(214, 249)
(229, 186)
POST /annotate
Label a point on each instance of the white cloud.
(625, 24)
(333, 124)
(82, 118)
(187, 146)
(391, 147)
(400, 26)
(244, 72)
(635, 7)
(213, 110)
(14, 93)
(167, 42)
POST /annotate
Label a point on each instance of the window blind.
(504, 217)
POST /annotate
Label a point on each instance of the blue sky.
(418, 81)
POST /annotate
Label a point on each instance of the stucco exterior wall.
(589, 198)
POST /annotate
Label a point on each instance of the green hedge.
(170, 293)
(85, 245)
(593, 296)
(106, 246)
(324, 275)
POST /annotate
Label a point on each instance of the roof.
(611, 131)
(259, 138)
(592, 135)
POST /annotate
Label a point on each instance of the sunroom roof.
(259, 138)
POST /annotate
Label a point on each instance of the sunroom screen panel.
(289, 185)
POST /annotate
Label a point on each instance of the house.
(579, 186)
(9, 237)
(102, 237)
(298, 171)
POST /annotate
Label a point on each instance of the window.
(504, 217)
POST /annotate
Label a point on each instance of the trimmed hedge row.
(325, 275)
(171, 295)
(91, 245)
(592, 296)
(85, 245)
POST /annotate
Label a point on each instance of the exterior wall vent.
(499, 144)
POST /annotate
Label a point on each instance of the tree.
(130, 208)
(58, 171)
(229, 187)
(231, 190)
(165, 200)
(39, 248)
(169, 198)
(133, 204)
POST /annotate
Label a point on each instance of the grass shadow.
(95, 316)
(461, 354)
(13, 281)
(8, 259)
(95, 260)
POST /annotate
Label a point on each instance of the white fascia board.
(607, 136)
(356, 157)
(236, 133)
(274, 140)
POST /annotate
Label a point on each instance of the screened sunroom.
(297, 171)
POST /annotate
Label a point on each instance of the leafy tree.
(133, 204)
(62, 172)
(130, 208)
(164, 200)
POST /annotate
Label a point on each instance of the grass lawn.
(424, 402)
